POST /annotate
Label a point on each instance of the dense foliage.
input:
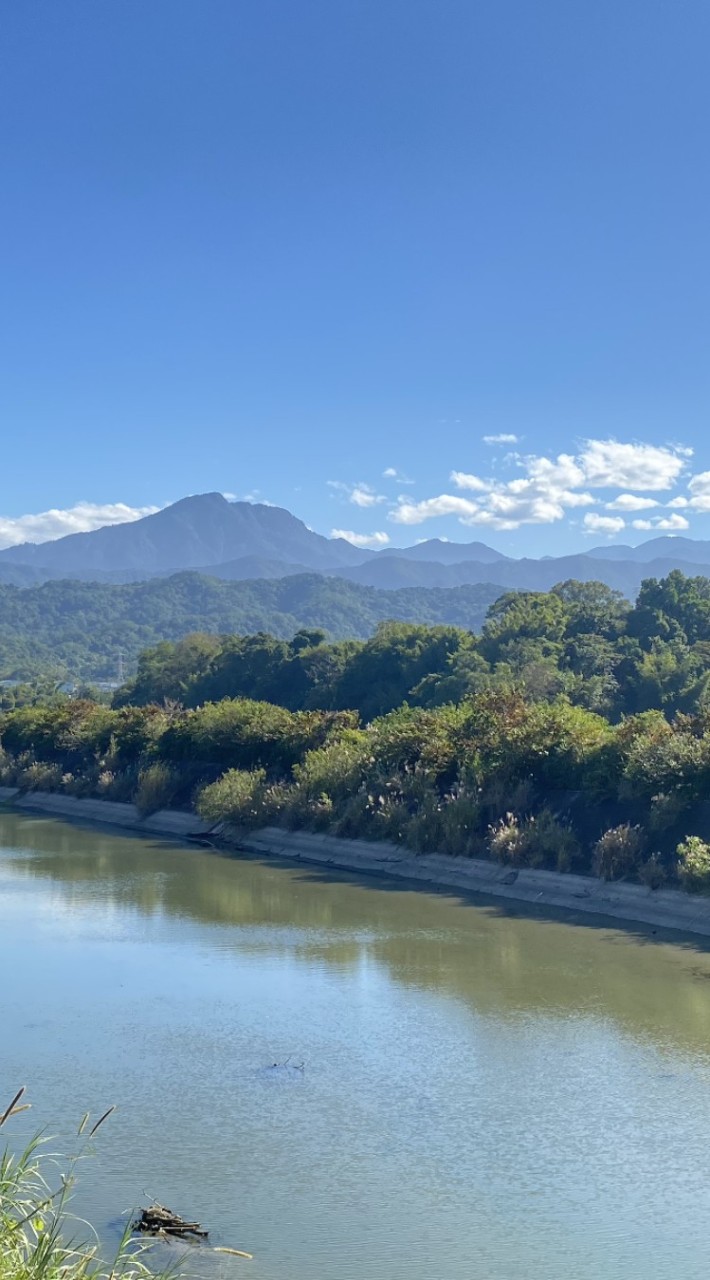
(75, 629)
(573, 733)
(580, 639)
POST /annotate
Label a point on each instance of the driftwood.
(159, 1221)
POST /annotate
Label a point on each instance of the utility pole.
(121, 674)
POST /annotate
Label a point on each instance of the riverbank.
(662, 908)
(167, 822)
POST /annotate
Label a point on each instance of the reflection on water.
(483, 1093)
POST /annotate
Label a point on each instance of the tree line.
(573, 733)
(580, 640)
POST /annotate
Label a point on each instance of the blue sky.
(280, 250)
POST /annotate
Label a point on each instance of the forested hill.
(75, 629)
(580, 641)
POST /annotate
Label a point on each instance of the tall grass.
(39, 1237)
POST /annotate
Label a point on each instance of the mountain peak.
(198, 501)
(198, 531)
(443, 552)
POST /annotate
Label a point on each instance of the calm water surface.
(484, 1095)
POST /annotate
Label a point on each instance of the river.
(483, 1093)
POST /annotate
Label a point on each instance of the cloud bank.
(374, 540)
(47, 526)
(361, 495)
(548, 489)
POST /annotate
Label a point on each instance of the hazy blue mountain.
(441, 552)
(389, 573)
(239, 541)
(392, 573)
(194, 533)
(21, 575)
(687, 550)
(249, 567)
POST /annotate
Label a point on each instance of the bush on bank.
(542, 783)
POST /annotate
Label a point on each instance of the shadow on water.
(520, 959)
(378, 881)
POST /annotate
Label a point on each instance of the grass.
(39, 1237)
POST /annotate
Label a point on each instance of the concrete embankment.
(167, 822)
(663, 908)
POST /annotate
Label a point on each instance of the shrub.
(329, 776)
(666, 809)
(694, 865)
(535, 841)
(8, 769)
(82, 784)
(500, 798)
(506, 840)
(353, 816)
(460, 824)
(41, 777)
(423, 830)
(238, 796)
(652, 872)
(156, 788)
(552, 843)
(617, 853)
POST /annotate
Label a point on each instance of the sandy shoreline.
(664, 908)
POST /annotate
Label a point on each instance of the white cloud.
(594, 523)
(445, 505)
(631, 502)
(672, 522)
(361, 495)
(700, 491)
(391, 473)
(539, 497)
(374, 540)
(46, 526)
(679, 503)
(504, 437)
(546, 489)
(463, 480)
(609, 464)
(254, 496)
(364, 496)
(666, 524)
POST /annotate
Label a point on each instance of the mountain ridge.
(193, 532)
(208, 534)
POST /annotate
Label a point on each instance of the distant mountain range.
(246, 541)
(204, 530)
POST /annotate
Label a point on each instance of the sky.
(410, 269)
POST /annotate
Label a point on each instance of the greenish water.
(484, 1094)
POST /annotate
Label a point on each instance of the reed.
(40, 1239)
